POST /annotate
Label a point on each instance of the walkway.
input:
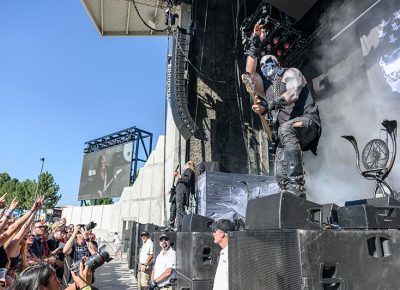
(115, 275)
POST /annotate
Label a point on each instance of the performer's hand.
(258, 108)
(143, 268)
(259, 30)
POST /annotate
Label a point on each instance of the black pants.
(172, 211)
(293, 139)
(181, 195)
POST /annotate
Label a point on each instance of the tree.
(25, 191)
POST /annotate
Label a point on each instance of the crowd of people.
(37, 255)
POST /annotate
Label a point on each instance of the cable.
(237, 83)
(144, 22)
(202, 55)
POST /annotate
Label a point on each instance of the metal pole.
(41, 170)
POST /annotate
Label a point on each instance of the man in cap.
(165, 267)
(145, 258)
(284, 92)
(220, 233)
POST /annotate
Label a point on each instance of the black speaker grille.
(264, 260)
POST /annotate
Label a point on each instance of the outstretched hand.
(3, 200)
(259, 30)
(14, 203)
(38, 203)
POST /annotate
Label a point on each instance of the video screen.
(105, 173)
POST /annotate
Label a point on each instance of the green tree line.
(25, 190)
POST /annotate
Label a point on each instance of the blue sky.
(62, 84)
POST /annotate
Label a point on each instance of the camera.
(89, 226)
(94, 261)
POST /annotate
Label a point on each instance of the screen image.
(105, 173)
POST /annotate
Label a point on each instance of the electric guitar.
(250, 88)
(112, 180)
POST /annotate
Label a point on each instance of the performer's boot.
(294, 171)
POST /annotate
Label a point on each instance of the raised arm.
(12, 248)
(252, 54)
(22, 220)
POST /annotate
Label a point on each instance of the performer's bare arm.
(295, 81)
(251, 64)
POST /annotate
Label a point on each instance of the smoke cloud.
(353, 99)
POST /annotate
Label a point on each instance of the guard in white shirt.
(165, 267)
(145, 259)
(220, 233)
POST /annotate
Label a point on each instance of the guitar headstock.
(248, 83)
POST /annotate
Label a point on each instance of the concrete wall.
(144, 200)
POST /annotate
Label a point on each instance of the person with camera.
(220, 234)
(145, 258)
(165, 266)
(44, 277)
(79, 245)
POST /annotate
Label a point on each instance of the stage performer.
(184, 187)
(284, 92)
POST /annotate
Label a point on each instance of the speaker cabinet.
(314, 259)
(378, 201)
(329, 213)
(196, 223)
(197, 255)
(369, 217)
(178, 83)
(184, 283)
(282, 211)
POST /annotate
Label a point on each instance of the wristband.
(254, 46)
(87, 287)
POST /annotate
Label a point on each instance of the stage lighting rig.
(280, 36)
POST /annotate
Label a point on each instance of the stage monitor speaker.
(314, 259)
(156, 238)
(197, 255)
(282, 211)
(378, 201)
(329, 213)
(369, 217)
(196, 223)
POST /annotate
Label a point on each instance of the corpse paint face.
(270, 67)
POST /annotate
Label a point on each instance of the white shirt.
(117, 240)
(147, 249)
(221, 279)
(164, 261)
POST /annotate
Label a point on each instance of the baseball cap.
(164, 236)
(224, 225)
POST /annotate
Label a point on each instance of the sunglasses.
(164, 239)
(41, 227)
